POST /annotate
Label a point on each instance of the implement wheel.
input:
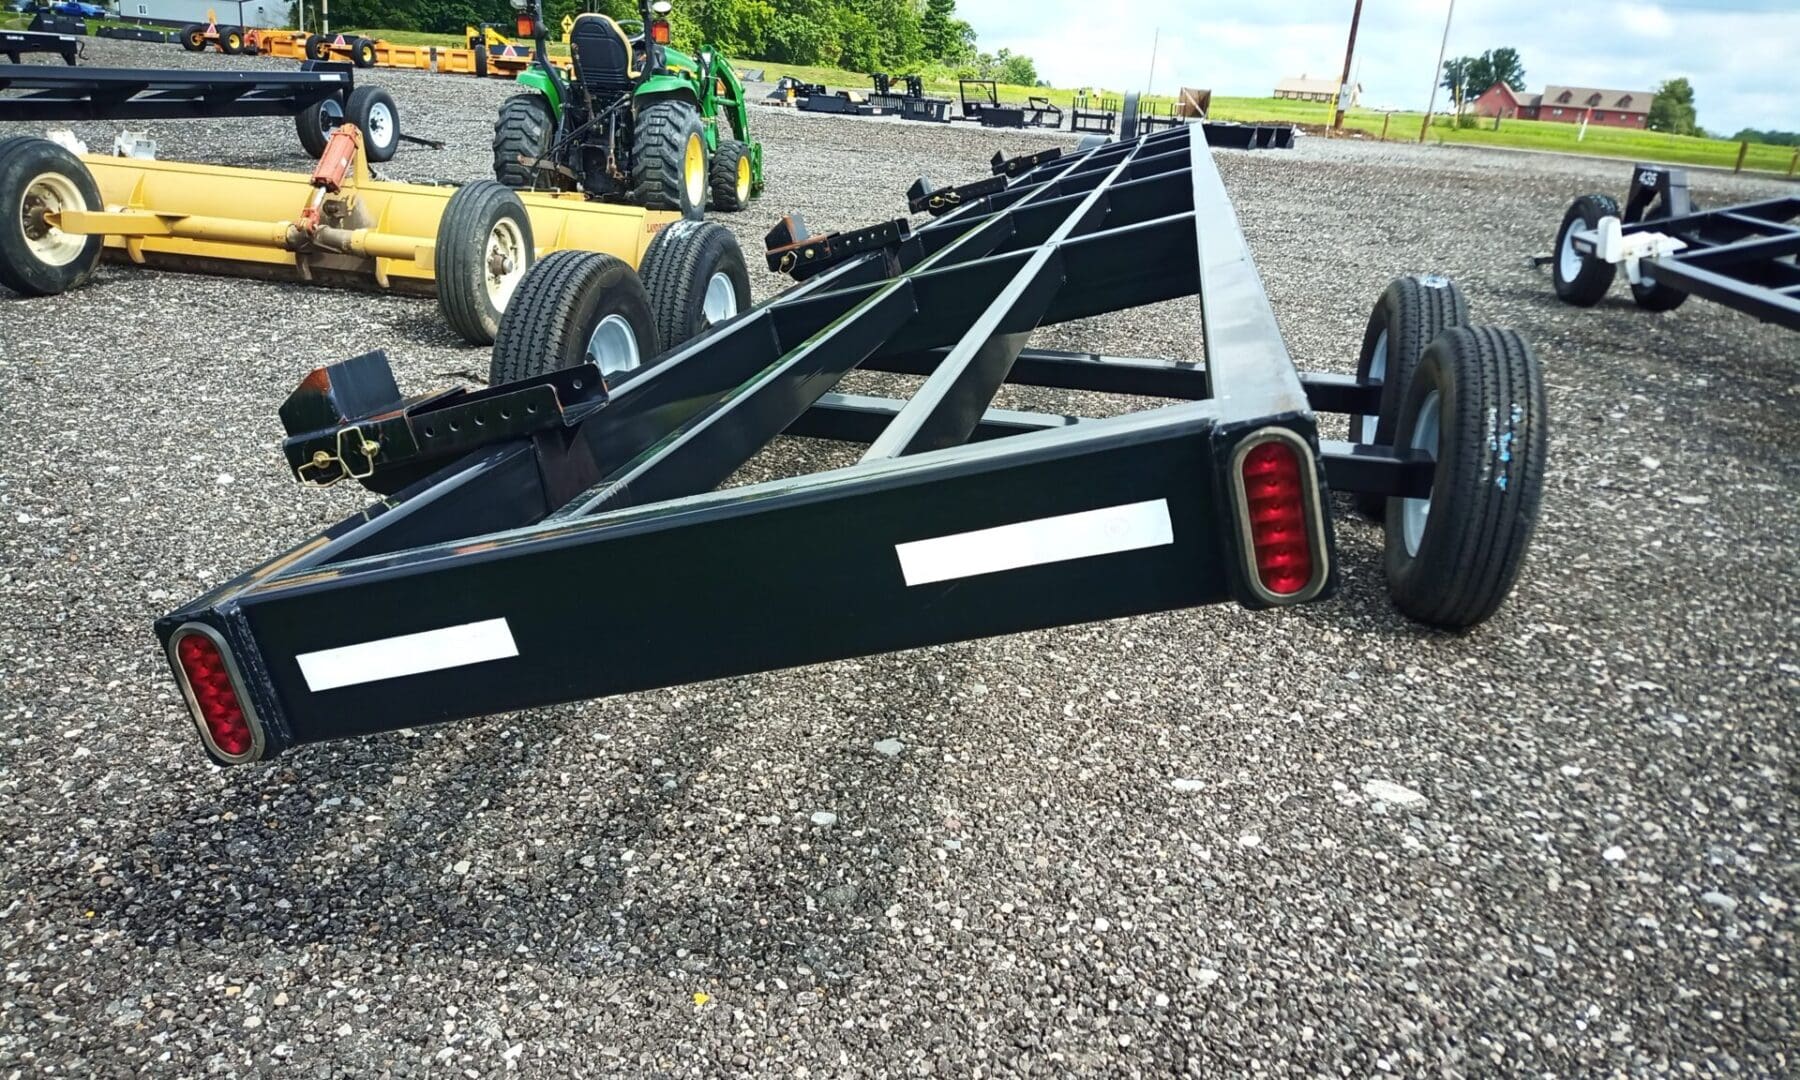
(1580, 279)
(730, 172)
(573, 308)
(524, 129)
(694, 272)
(484, 249)
(231, 40)
(373, 111)
(193, 37)
(1476, 402)
(362, 53)
(1409, 314)
(1128, 117)
(668, 160)
(38, 177)
(317, 48)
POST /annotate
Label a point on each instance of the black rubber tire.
(317, 48)
(524, 128)
(1128, 117)
(1588, 287)
(315, 123)
(231, 40)
(1412, 311)
(1492, 440)
(1652, 296)
(373, 111)
(192, 37)
(1089, 141)
(663, 132)
(727, 193)
(362, 52)
(556, 308)
(481, 59)
(677, 269)
(22, 162)
(470, 219)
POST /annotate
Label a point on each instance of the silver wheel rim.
(503, 262)
(721, 300)
(1416, 512)
(1568, 260)
(46, 194)
(613, 347)
(331, 113)
(1377, 371)
(381, 124)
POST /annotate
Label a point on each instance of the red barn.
(1568, 104)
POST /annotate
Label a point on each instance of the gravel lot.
(1142, 847)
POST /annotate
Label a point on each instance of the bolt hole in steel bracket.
(582, 548)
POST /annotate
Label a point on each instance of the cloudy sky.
(1743, 56)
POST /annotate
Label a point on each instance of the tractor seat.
(604, 63)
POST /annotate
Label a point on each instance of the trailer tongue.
(564, 537)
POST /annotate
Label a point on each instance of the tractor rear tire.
(668, 159)
(694, 272)
(1410, 313)
(1476, 401)
(1580, 279)
(317, 48)
(193, 37)
(231, 40)
(373, 111)
(524, 128)
(35, 259)
(573, 308)
(362, 52)
(731, 175)
(484, 249)
(1128, 117)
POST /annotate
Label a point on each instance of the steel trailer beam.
(37, 93)
(593, 556)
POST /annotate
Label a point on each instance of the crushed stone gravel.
(1164, 845)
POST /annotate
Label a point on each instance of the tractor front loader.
(637, 121)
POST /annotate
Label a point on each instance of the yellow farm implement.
(504, 60)
(469, 245)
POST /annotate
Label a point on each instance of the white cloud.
(1738, 53)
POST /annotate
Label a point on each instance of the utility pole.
(1437, 73)
(1153, 42)
(1337, 121)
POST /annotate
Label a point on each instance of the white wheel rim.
(51, 193)
(721, 300)
(613, 347)
(381, 124)
(1416, 512)
(1377, 372)
(1568, 259)
(503, 262)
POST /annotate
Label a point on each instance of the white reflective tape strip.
(408, 654)
(1112, 529)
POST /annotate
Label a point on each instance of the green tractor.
(636, 122)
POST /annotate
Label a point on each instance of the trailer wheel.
(314, 124)
(668, 158)
(481, 59)
(695, 275)
(524, 129)
(1580, 279)
(1089, 142)
(231, 41)
(1655, 296)
(730, 171)
(484, 249)
(373, 111)
(1128, 117)
(317, 48)
(193, 37)
(36, 258)
(1410, 312)
(1476, 401)
(572, 308)
(362, 53)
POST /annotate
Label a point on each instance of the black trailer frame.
(14, 43)
(559, 538)
(1746, 257)
(1090, 115)
(38, 93)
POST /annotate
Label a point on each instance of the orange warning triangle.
(508, 51)
(340, 40)
(212, 28)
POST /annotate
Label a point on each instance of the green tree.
(1456, 79)
(935, 24)
(1507, 66)
(1672, 110)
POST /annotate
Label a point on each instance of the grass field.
(1401, 126)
